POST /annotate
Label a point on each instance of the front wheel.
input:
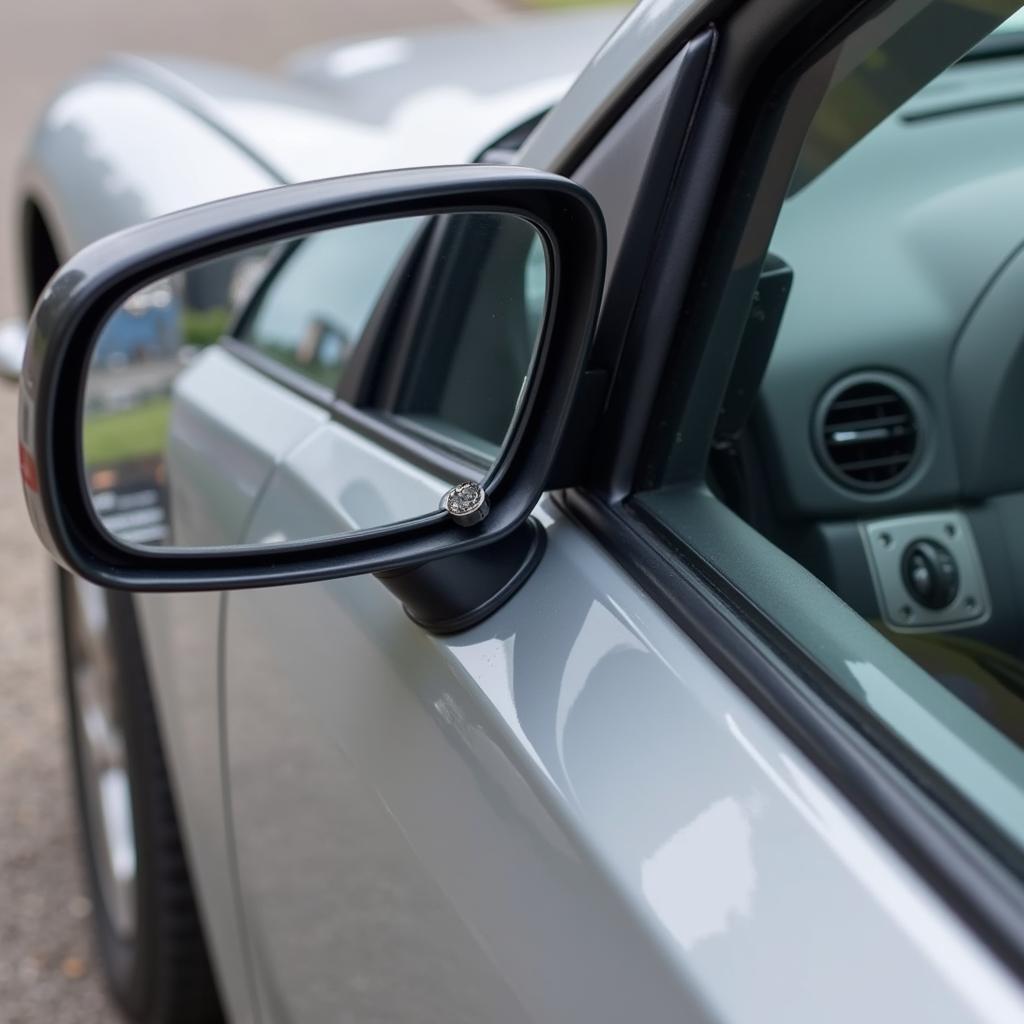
(148, 931)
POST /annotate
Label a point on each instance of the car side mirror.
(114, 353)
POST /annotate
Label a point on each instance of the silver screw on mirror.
(466, 503)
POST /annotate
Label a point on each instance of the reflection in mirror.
(196, 379)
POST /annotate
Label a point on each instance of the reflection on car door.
(398, 854)
(563, 814)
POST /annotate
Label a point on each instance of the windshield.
(870, 81)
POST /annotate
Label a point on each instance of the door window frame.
(732, 166)
(367, 392)
(366, 395)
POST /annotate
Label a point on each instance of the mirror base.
(452, 594)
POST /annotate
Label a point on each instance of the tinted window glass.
(312, 310)
(470, 373)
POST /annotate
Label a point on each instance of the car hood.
(434, 97)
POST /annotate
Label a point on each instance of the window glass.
(313, 308)
(468, 325)
(872, 430)
(469, 374)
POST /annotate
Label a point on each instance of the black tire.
(161, 974)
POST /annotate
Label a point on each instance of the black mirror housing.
(80, 296)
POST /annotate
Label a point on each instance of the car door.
(405, 926)
(736, 735)
(625, 794)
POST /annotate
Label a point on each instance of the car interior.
(852, 435)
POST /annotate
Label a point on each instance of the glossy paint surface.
(301, 134)
(12, 348)
(422, 96)
(566, 813)
(111, 151)
(375, 75)
(108, 153)
(399, 101)
(369, 773)
(227, 470)
(138, 137)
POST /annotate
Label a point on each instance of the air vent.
(867, 432)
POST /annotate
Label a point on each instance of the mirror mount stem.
(449, 595)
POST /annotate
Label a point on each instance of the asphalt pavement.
(48, 970)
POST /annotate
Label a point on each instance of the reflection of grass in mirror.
(134, 433)
(202, 327)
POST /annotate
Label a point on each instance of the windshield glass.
(872, 78)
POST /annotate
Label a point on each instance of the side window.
(872, 428)
(471, 310)
(469, 372)
(312, 308)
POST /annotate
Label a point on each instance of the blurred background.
(47, 967)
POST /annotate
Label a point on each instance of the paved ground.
(47, 969)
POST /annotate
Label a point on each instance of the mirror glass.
(302, 390)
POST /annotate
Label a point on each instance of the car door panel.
(395, 856)
(566, 813)
(335, 481)
(231, 425)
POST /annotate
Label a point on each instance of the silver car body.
(567, 813)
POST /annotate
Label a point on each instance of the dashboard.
(890, 422)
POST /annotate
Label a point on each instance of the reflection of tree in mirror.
(137, 432)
